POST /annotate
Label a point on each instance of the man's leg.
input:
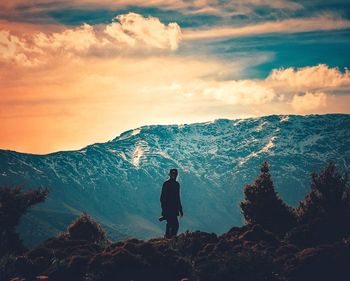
(175, 227)
(172, 227)
(168, 229)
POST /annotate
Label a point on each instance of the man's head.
(173, 173)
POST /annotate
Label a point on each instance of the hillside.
(245, 254)
(118, 182)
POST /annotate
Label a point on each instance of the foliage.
(326, 208)
(14, 203)
(263, 206)
(256, 251)
(85, 228)
(329, 196)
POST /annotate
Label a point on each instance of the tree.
(326, 208)
(263, 206)
(14, 203)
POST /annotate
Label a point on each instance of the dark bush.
(85, 228)
(326, 208)
(329, 195)
(322, 263)
(14, 203)
(263, 206)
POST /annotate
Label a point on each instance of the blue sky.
(63, 61)
(285, 49)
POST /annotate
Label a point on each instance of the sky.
(77, 72)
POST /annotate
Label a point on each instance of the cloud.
(309, 102)
(135, 30)
(15, 49)
(30, 50)
(309, 89)
(224, 8)
(310, 78)
(296, 25)
(53, 108)
(234, 92)
(130, 31)
(79, 39)
(201, 4)
(241, 92)
(302, 90)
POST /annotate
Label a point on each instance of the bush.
(85, 228)
(326, 208)
(14, 203)
(329, 195)
(263, 206)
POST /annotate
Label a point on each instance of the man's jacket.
(170, 198)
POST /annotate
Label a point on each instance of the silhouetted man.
(171, 204)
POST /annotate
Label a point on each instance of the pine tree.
(327, 205)
(263, 206)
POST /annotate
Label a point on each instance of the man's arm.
(162, 198)
(179, 201)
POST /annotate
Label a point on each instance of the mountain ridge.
(118, 182)
(173, 124)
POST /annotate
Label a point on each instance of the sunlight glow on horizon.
(65, 86)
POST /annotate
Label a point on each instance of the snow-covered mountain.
(118, 182)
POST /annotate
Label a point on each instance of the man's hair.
(173, 172)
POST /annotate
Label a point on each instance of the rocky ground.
(243, 253)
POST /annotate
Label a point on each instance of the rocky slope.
(118, 182)
(247, 253)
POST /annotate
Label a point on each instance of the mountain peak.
(119, 181)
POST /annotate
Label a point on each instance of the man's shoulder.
(166, 182)
(171, 182)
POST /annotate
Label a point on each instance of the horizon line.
(169, 124)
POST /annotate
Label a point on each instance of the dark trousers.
(172, 226)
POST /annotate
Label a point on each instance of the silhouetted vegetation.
(257, 251)
(329, 197)
(263, 206)
(14, 203)
(324, 214)
(85, 228)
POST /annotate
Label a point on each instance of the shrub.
(326, 208)
(329, 195)
(263, 206)
(85, 228)
(14, 203)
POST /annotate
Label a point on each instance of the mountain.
(118, 182)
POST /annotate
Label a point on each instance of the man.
(171, 204)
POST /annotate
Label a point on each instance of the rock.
(256, 234)
(323, 263)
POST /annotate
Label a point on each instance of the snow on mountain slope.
(118, 182)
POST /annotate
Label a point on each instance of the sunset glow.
(73, 73)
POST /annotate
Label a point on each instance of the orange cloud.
(309, 102)
(130, 31)
(283, 26)
(79, 39)
(225, 8)
(77, 102)
(133, 29)
(310, 78)
(58, 92)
